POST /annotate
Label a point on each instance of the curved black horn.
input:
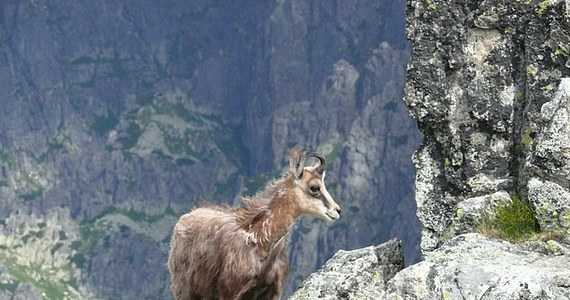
(323, 162)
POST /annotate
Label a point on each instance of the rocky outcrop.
(487, 83)
(468, 266)
(472, 266)
(357, 274)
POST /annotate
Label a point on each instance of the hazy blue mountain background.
(116, 117)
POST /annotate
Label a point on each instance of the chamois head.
(312, 196)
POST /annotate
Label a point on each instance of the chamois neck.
(269, 217)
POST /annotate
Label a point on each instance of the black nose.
(338, 211)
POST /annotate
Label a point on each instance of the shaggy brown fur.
(224, 253)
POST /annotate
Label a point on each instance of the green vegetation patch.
(57, 289)
(335, 152)
(29, 186)
(90, 236)
(542, 6)
(526, 139)
(104, 124)
(5, 156)
(513, 221)
(9, 286)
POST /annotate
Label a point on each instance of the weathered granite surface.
(468, 266)
(356, 274)
(472, 266)
(488, 82)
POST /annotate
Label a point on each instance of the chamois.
(219, 252)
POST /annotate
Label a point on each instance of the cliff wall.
(489, 85)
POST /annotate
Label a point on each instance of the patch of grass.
(141, 216)
(37, 234)
(52, 289)
(30, 187)
(90, 236)
(136, 216)
(56, 247)
(174, 143)
(109, 209)
(4, 156)
(513, 221)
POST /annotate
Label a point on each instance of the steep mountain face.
(489, 84)
(116, 118)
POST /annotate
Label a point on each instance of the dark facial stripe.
(321, 197)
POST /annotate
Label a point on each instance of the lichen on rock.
(357, 274)
(552, 206)
(492, 101)
(473, 266)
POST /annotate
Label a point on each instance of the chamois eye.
(314, 189)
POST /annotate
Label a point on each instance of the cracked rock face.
(472, 266)
(357, 274)
(488, 84)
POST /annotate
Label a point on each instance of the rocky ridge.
(357, 274)
(469, 266)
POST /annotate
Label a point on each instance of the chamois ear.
(297, 161)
